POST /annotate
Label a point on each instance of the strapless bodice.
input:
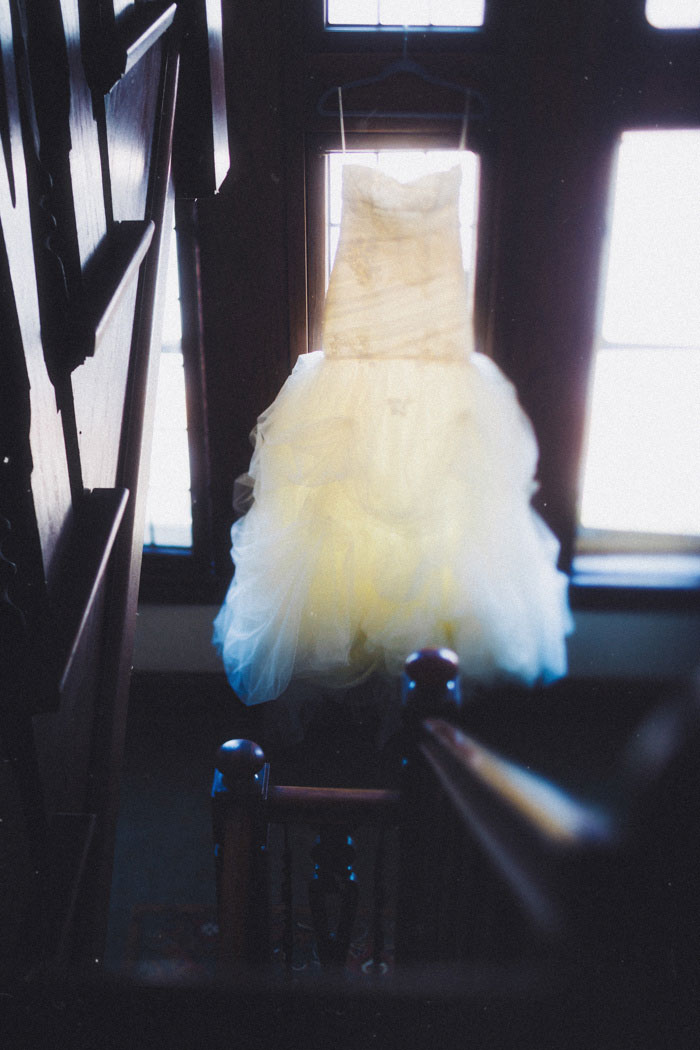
(398, 287)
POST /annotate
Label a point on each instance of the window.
(558, 86)
(641, 476)
(405, 12)
(169, 504)
(673, 14)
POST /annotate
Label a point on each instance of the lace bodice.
(398, 286)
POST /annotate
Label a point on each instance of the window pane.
(353, 12)
(652, 292)
(169, 518)
(642, 464)
(169, 503)
(643, 458)
(406, 165)
(169, 507)
(170, 412)
(673, 14)
(457, 12)
(172, 317)
(405, 12)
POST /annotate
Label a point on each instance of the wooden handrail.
(243, 774)
(463, 766)
(317, 805)
(531, 831)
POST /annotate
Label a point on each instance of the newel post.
(240, 846)
(430, 689)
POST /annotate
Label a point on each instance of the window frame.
(538, 265)
(318, 147)
(651, 551)
(320, 36)
(181, 574)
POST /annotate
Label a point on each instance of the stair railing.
(246, 803)
(496, 864)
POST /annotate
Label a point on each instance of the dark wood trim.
(70, 839)
(175, 576)
(95, 529)
(140, 28)
(189, 274)
(201, 157)
(120, 626)
(296, 186)
(112, 46)
(288, 804)
(105, 281)
(625, 594)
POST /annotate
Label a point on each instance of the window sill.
(173, 575)
(636, 581)
(598, 581)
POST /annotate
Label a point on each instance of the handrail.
(318, 805)
(494, 861)
(530, 829)
(556, 817)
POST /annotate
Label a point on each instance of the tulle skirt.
(391, 511)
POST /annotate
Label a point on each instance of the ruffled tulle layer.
(391, 511)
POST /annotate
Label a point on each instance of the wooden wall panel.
(99, 388)
(243, 240)
(85, 163)
(134, 462)
(85, 192)
(49, 481)
(130, 118)
(64, 738)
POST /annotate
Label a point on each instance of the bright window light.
(462, 13)
(673, 14)
(169, 503)
(406, 165)
(642, 464)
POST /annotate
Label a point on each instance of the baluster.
(288, 902)
(430, 689)
(240, 840)
(379, 897)
(333, 878)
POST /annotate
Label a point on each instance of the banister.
(243, 777)
(465, 766)
(532, 832)
(316, 805)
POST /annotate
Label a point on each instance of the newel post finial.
(430, 687)
(239, 760)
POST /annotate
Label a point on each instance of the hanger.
(410, 66)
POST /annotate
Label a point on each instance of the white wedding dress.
(392, 477)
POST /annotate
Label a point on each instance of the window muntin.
(673, 14)
(406, 165)
(641, 473)
(169, 501)
(408, 13)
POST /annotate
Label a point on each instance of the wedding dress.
(392, 477)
